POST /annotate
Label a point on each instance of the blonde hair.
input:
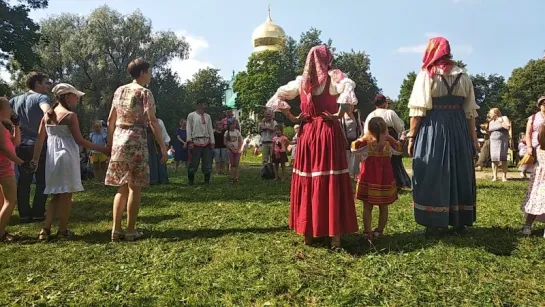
(494, 111)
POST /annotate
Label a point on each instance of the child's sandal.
(9, 238)
(117, 236)
(378, 233)
(65, 235)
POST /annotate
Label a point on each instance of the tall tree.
(170, 98)
(357, 66)
(92, 52)
(208, 84)
(489, 91)
(19, 33)
(265, 72)
(401, 105)
(524, 87)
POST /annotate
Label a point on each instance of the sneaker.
(117, 236)
(526, 230)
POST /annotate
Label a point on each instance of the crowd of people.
(332, 148)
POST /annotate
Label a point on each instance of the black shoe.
(207, 180)
(190, 179)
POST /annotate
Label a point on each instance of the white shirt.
(390, 117)
(426, 88)
(233, 139)
(201, 134)
(166, 137)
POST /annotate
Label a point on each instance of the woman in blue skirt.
(442, 141)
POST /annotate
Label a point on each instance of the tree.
(402, 104)
(92, 52)
(489, 91)
(524, 87)
(357, 66)
(265, 72)
(19, 33)
(208, 84)
(169, 97)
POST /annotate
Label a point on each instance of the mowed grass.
(226, 246)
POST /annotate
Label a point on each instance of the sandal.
(44, 234)
(378, 233)
(9, 238)
(117, 235)
(369, 236)
(65, 235)
(336, 242)
(132, 236)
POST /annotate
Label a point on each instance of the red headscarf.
(316, 70)
(437, 49)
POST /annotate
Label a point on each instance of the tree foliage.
(524, 87)
(357, 65)
(19, 33)
(170, 98)
(489, 91)
(92, 52)
(401, 105)
(208, 84)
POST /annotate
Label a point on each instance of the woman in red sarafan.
(322, 200)
(376, 182)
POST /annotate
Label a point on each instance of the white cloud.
(186, 68)
(464, 49)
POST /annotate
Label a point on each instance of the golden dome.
(268, 36)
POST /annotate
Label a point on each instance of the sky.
(490, 36)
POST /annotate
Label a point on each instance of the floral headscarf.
(437, 49)
(316, 70)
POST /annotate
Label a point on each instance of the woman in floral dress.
(133, 108)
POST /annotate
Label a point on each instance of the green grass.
(228, 246)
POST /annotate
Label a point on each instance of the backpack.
(267, 172)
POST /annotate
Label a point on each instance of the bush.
(289, 132)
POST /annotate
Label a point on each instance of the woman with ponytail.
(62, 163)
(376, 182)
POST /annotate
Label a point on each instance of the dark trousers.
(24, 182)
(157, 171)
(198, 153)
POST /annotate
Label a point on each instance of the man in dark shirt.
(30, 107)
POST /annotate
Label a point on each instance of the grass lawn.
(228, 246)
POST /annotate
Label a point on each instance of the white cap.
(65, 88)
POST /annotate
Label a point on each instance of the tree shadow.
(500, 241)
(174, 235)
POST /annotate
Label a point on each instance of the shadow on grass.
(499, 241)
(180, 234)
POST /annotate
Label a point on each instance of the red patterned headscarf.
(318, 63)
(437, 49)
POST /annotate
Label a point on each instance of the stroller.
(85, 165)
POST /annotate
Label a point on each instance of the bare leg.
(51, 211)
(367, 217)
(64, 205)
(8, 199)
(283, 166)
(383, 218)
(177, 166)
(218, 168)
(133, 207)
(504, 168)
(276, 171)
(494, 171)
(237, 172)
(120, 202)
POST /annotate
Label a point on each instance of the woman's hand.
(529, 150)
(185, 145)
(330, 117)
(164, 155)
(410, 148)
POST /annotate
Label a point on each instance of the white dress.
(62, 168)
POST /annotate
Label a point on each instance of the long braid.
(61, 100)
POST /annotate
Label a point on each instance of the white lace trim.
(321, 173)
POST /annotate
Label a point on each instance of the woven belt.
(447, 107)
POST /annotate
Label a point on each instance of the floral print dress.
(129, 160)
(534, 202)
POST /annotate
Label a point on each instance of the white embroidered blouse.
(425, 88)
(340, 85)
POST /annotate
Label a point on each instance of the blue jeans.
(24, 182)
